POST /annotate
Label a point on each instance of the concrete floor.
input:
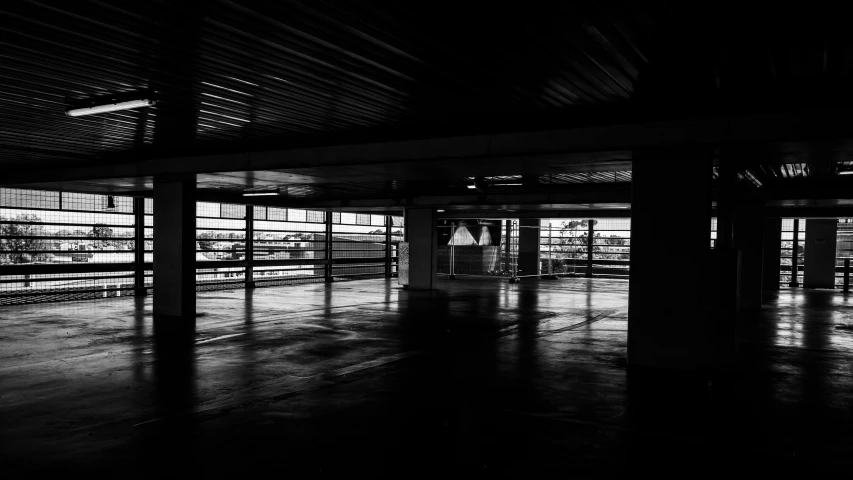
(481, 375)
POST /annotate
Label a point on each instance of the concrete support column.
(675, 323)
(327, 246)
(174, 252)
(749, 240)
(727, 175)
(528, 246)
(772, 253)
(139, 246)
(250, 246)
(389, 225)
(590, 245)
(819, 257)
(795, 257)
(422, 235)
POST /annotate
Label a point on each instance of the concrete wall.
(819, 256)
(528, 246)
(748, 238)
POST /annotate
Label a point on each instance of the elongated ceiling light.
(110, 107)
(472, 186)
(259, 193)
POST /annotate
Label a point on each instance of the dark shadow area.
(170, 440)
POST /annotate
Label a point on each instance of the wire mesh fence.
(563, 246)
(475, 248)
(66, 246)
(793, 251)
(397, 230)
(220, 231)
(359, 244)
(793, 245)
(713, 232)
(289, 246)
(611, 247)
(60, 245)
(843, 249)
(586, 246)
(566, 246)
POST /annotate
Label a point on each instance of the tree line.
(573, 241)
(574, 236)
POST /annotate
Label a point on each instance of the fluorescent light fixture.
(110, 107)
(507, 184)
(472, 187)
(259, 193)
(440, 211)
(846, 172)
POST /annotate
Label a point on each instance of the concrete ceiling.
(377, 106)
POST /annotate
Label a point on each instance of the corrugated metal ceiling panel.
(234, 75)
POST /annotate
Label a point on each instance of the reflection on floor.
(365, 376)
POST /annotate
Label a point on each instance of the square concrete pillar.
(819, 255)
(749, 240)
(422, 234)
(174, 250)
(528, 246)
(675, 318)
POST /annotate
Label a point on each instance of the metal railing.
(65, 246)
(793, 241)
(842, 273)
(56, 245)
(586, 247)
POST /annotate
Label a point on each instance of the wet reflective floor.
(481, 375)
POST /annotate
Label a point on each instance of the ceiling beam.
(809, 188)
(776, 127)
(564, 194)
(567, 213)
(809, 212)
